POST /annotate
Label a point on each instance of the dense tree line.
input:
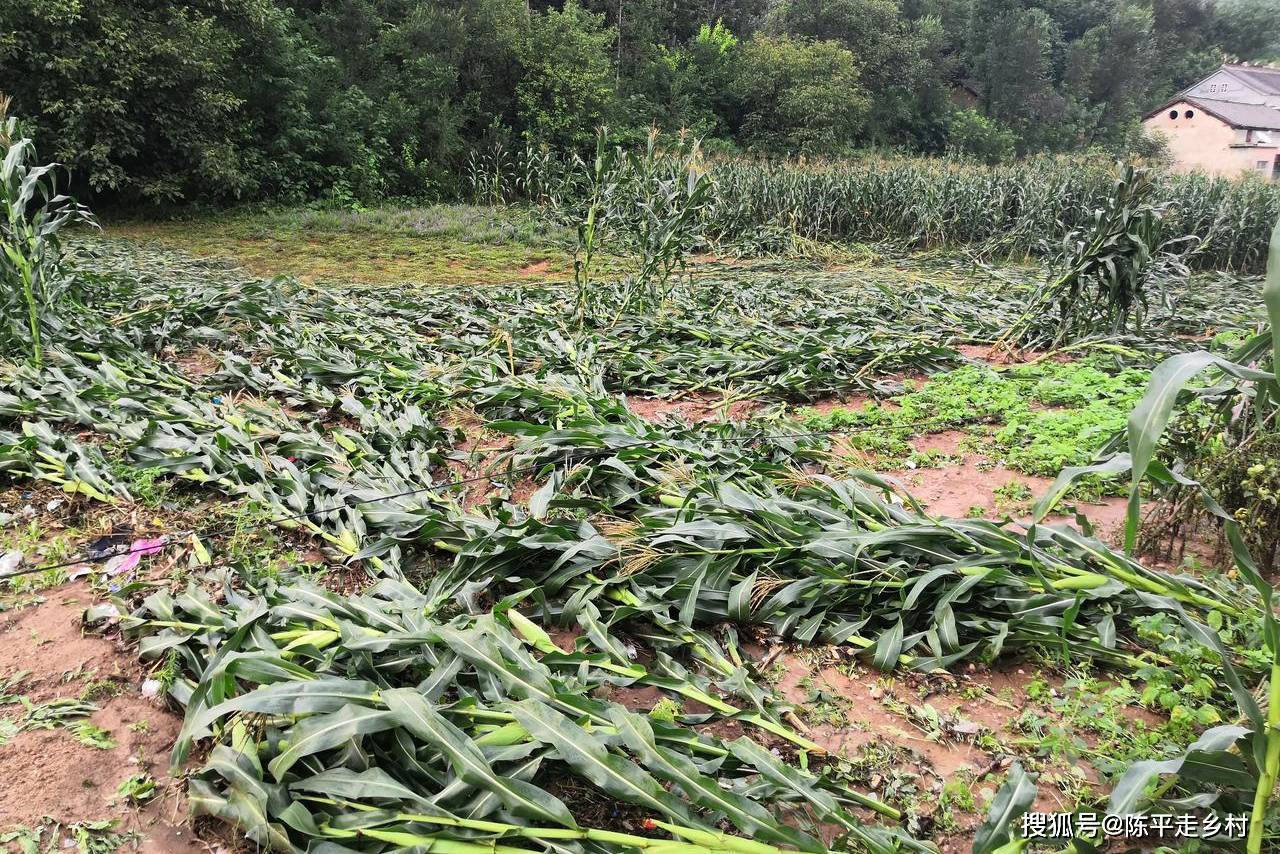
(216, 100)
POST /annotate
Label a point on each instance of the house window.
(1173, 114)
(1190, 114)
(1262, 164)
(1213, 88)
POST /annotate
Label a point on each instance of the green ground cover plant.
(1036, 418)
(437, 244)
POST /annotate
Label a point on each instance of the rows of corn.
(1006, 211)
(432, 710)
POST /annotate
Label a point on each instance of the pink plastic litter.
(130, 559)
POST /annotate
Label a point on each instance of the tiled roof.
(1258, 116)
(1265, 80)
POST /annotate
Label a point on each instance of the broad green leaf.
(747, 815)
(411, 710)
(586, 754)
(323, 732)
(1013, 799)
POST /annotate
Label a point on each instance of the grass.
(442, 244)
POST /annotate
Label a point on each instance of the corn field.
(1010, 211)
(456, 697)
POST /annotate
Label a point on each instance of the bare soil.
(47, 772)
(996, 355)
(480, 451)
(958, 488)
(880, 729)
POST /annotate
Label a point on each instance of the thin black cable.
(440, 486)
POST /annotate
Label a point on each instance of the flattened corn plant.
(372, 724)
(834, 562)
(328, 714)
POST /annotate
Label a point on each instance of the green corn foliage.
(1239, 763)
(1008, 211)
(410, 717)
(1239, 383)
(647, 205)
(1109, 270)
(370, 720)
(32, 215)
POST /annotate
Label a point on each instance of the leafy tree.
(490, 69)
(358, 100)
(148, 99)
(798, 95)
(1184, 48)
(1248, 30)
(739, 16)
(568, 86)
(390, 101)
(974, 135)
(892, 52)
(911, 99)
(702, 76)
(1016, 67)
(865, 27)
(1106, 79)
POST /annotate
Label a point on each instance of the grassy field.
(444, 244)
(414, 563)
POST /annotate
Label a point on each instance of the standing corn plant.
(665, 197)
(602, 177)
(31, 277)
(651, 204)
(1110, 267)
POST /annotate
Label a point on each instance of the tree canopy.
(219, 100)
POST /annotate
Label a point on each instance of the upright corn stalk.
(662, 212)
(1108, 269)
(602, 177)
(33, 214)
(1271, 761)
(652, 205)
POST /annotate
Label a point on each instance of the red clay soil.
(850, 401)
(692, 407)
(537, 268)
(876, 710)
(197, 364)
(47, 773)
(993, 355)
(483, 449)
(952, 490)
